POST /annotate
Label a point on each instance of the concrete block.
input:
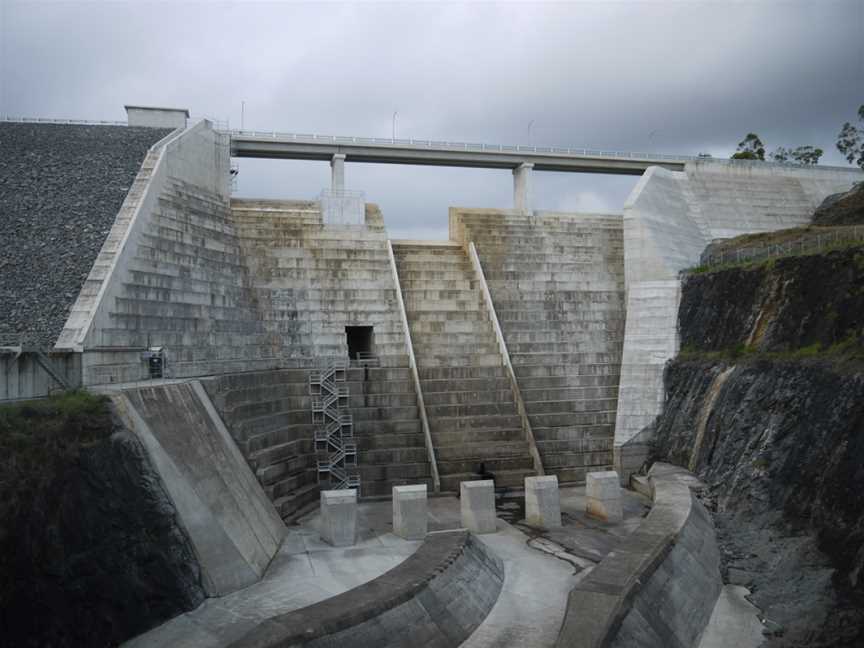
(478, 505)
(542, 502)
(339, 517)
(409, 511)
(603, 496)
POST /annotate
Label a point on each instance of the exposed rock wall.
(766, 405)
(60, 189)
(93, 553)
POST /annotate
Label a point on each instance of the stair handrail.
(505, 356)
(415, 375)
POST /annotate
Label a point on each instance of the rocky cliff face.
(766, 404)
(91, 552)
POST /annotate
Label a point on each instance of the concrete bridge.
(522, 160)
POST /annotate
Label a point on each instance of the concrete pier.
(603, 496)
(522, 186)
(410, 512)
(542, 502)
(477, 499)
(337, 172)
(339, 517)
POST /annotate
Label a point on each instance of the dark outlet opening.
(360, 340)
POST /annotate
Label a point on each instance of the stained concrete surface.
(541, 566)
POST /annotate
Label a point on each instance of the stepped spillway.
(472, 415)
(557, 283)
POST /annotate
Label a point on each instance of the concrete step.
(570, 419)
(440, 361)
(432, 388)
(503, 479)
(481, 408)
(555, 460)
(289, 505)
(569, 394)
(385, 488)
(589, 433)
(393, 472)
(558, 369)
(469, 396)
(490, 437)
(430, 374)
(474, 455)
(389, 456)
(474, 424)
(385, 441)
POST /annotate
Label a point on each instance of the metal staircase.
(334, 438)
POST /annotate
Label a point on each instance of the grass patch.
(36, 436)
(850, 349)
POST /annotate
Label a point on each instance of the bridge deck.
(292, 146)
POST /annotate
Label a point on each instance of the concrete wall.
(310, 280)
(156, 117)
(22, 376)
(231, 524)
(658, 587)
(669, 218)
(437, 597)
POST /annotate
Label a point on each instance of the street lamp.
(530, 124)
(394, 124)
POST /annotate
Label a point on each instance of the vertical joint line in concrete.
(415, 376)
(505, 358)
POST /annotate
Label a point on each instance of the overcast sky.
(670, 76)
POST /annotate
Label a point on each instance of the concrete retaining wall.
(22, 376)
(231, 524)
(669, 218)
(436, 598)
(658, 588)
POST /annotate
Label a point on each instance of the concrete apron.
(540, 569)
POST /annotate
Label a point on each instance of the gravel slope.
(60, 188)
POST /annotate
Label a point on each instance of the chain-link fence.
(807, 243)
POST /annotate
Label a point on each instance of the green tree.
(806, 155)
(750, 148)
(781, 154)
(850, 141)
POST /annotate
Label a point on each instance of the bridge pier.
(337, 172)
(522, 186)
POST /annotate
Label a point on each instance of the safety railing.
(807, 243)
(458, 146)
(48, 120)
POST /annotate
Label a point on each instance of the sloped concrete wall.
(437, 597)
(231, 524)
(669, 218)
(657, 589)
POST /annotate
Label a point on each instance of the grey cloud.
(669, 76)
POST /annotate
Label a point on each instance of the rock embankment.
(60, 188)
(766, 405)
(842, 209)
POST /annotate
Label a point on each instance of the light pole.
(530, 124)
(242, 114)
(394, 124)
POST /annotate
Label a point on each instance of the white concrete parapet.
(409, 511)
(542, 501)
(339, 517)
(603, 496)
(478, 505)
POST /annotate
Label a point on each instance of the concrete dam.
(294, 375)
